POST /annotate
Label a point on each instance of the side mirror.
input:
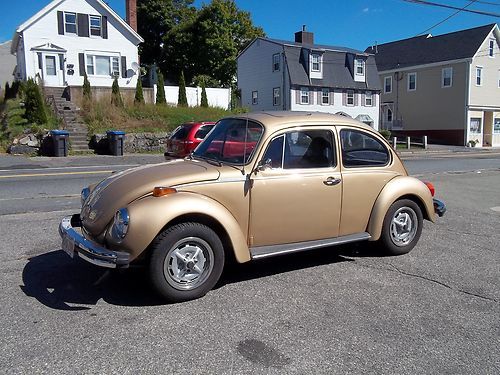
(263, 165)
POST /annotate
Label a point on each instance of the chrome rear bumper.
(74, 243)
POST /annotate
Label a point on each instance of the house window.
(315, 63)
(475, 125)
(50, 65)
(95, 25)
(276, 96)
(103, 65)
(368, 99)
(479, 75)
(325, 96)
(304, 95)
(387, 85)
(276, 62)
(70, 23)
(350, 97)
(412, 81)
(447, 77)
(492, 48)
(389, 115)
(496, 126)
(359, 67)
(255, 97)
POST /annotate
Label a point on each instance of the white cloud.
(366, 10)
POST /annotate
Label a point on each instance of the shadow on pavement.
(61, 283)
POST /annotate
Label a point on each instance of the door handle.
(331, 181)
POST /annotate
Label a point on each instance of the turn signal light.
(431, 187)
(160, 191)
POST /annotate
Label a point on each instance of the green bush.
(139, 94)
(87, 93)
(386, 134)
(36, 112)
(160, 90)
(116, 97)
(182, 99)
(204, 99)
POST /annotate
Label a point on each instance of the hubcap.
(404, 226)
(188, 263)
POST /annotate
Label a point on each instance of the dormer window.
(315, 62)
(359, 67)
(70, 23)
(95, 25)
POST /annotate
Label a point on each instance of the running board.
(274, 250)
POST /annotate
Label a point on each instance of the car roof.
(275, 120)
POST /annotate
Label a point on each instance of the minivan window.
(181, 132)
(203, 131)
(360, 149)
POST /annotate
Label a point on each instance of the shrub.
(160, 92)
(116, 97)
(36, 112)
(87, 93)
(182, 99)
(386, 134)
(139, 95)
(204, 99)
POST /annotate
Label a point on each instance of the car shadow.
(62, 283)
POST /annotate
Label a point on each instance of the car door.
(296, 197)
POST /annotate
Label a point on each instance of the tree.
(87, 93)
(139, 95)
(7, 93)
(160, 90)
(182, 99)
(204, 99)
(116, 97)
(33, 103)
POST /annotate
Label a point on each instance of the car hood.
(121, 188)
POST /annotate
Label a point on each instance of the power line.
(424, 2)
(447, 18)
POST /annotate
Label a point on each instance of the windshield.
(229, 142)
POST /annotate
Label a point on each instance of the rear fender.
(399, 187)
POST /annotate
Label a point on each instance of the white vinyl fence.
(216, 97)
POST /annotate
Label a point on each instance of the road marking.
(42, 197)
(497, 209)
(55, 174)
(82, 167)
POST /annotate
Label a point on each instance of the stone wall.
(134, 142)
(104, 94)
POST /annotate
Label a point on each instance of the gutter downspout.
(467, 103)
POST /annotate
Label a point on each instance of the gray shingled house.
(303, 76)
(446, 87)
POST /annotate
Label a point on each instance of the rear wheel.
(402, 227)
(186, 262)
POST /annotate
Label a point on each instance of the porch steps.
(69, 113)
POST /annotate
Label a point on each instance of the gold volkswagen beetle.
(259, 185)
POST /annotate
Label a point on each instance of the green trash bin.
(60, 142)
(115, 140)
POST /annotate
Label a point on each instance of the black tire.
(398, 239)
(176, 252)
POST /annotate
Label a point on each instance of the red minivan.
(186, 137)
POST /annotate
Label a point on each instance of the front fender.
(149, 215)
(398, 187)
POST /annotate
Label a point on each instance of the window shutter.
(40, 63)
(83, 24)
(311, 97)
(60, 22)
(363, 99)
(344, 98)
(319, 96)
(374, 98)
(297, 96)
(332, 95)
(124, 66)
(61, 61)
(81, 60)
(104, 27)
(355, 99)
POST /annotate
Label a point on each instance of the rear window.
(181, 132)
(203, 131)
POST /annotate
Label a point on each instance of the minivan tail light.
(431, 187)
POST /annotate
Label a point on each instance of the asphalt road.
(333, 311)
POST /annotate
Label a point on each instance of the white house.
(303, 76)
(70, 37)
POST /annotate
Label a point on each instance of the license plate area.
(68, 246)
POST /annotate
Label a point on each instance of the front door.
(297, 196)
(52, 74)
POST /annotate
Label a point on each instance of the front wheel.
(402, 227)
(186, 262)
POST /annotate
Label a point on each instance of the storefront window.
(475, 125)
(496, 126)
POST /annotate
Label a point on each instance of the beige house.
(446, 87)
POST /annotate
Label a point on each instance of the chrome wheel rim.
(404, 226)
(189, 263)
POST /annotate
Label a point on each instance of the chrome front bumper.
(74, 243)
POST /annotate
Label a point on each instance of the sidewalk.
(442, 150)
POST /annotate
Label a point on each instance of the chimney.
(304, 37)
(131, 6)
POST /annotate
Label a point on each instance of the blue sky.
(350, 23)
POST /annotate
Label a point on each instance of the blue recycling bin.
(60, 142)
(115, 140)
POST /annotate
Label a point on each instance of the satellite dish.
(135, 67)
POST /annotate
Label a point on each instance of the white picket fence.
(217, 97)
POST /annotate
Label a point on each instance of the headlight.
(84, 195)
(120, 224)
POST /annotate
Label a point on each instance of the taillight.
(431, 187)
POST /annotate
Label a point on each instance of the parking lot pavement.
(331, 311)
